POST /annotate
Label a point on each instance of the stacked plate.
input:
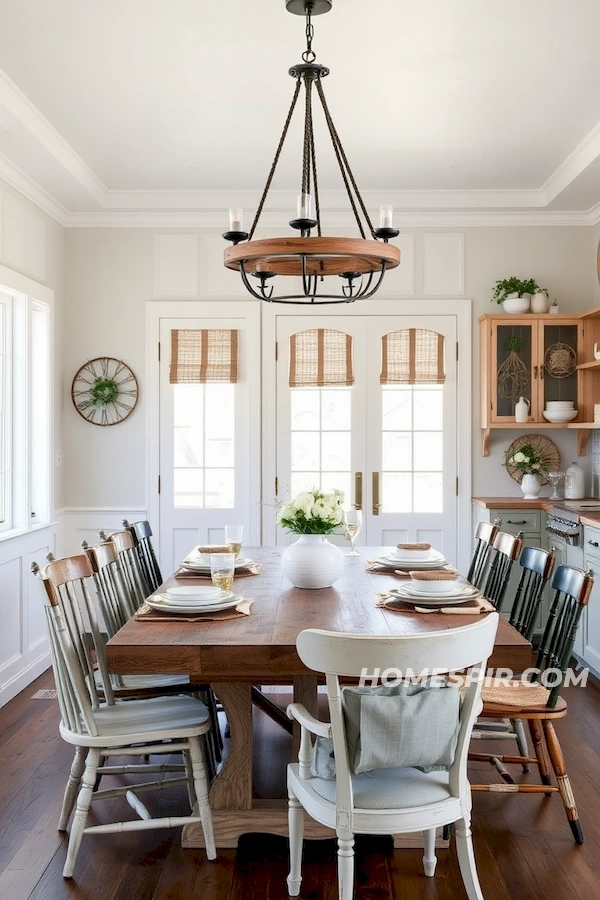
(462, 593)
(559, 411)
(193, 599)
(196, 563)
(433, 560)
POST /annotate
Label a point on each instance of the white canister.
(540, 302)
(574, 482)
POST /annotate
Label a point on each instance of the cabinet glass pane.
(513, 367)
(560, 357)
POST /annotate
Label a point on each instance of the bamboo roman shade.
(200, 355)
(412, 356)
(320, 357)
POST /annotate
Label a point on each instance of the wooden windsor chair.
(505, 550)
(394, 796)
(100, 726)
(538, 702)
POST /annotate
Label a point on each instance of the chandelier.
(326, 269)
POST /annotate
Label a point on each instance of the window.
(24, 411)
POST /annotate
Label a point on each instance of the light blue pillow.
(395, 727)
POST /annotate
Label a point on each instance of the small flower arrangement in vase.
(312, 561)
(533, 466)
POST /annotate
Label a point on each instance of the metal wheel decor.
(104, 391)
(542, 445)
(560, 360)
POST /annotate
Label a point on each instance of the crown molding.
(26, 186)
(586, 152)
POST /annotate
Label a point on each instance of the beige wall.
(110, 274)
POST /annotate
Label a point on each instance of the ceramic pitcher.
(522, 410)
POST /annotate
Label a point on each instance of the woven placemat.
(470, 607)
(148, 614)
(242, 572)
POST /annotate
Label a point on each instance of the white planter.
(517, 304)
(530, 485)
(312, 562)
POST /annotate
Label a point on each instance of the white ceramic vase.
(531, 486)
(540, 302)
(312, 562)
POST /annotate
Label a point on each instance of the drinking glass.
(555, 478)
(222, 567)
(233, 538)
(352, 525)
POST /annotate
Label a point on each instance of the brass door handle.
(358, 490)
(375, 484)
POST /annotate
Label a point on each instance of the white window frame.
(21, 297)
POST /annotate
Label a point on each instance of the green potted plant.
(514, 293)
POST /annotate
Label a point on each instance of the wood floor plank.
(523, 844)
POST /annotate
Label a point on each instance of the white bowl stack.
(559, 411)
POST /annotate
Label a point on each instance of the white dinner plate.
(460, 591)
(160, 601)
(393, 562)
(421, 600)
(192, 592)
(195, 565)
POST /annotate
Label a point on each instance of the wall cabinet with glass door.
(588, 373)
(528, 356)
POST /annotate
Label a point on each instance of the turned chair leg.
(537, 736)
(346, 867)
(519, 730)
(466, 859)
(429, 857)
(296, 832)
(564, 785)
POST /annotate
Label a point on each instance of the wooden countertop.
(587, 517)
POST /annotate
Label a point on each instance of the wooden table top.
(261, 648)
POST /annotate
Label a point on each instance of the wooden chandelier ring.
(323, 255)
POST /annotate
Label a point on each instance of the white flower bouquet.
(528, 461)
(313, 512)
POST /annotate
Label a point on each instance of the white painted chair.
(100, 727)
(395, 800)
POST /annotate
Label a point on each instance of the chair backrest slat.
(484, 537)
(537, 566)
(506, 548)
(572, 588)
(143, 533)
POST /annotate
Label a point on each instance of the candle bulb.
(386, 216)
(304, 206)
(235, 219)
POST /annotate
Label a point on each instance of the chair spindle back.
(537, 566)
(506, 548)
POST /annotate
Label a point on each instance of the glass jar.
(574, 482)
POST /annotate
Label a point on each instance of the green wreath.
(103, 391)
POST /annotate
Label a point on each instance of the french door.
(208, 436)
(391, 448)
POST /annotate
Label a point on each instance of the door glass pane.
(412, 448)
(513, 366)
(560, 357)
(320, 439)
(203, 449)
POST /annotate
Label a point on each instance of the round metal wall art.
(104, 391)
(543, 446)
(560, 360)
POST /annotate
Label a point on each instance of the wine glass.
(352, 526)
(554, 478)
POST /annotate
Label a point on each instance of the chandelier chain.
(345, 169)
(308, 130)
(309, 55)
(276, 158)
(314, 174)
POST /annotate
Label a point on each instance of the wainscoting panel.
(443, 264)
(23, 643)
(14, 234)
(175, 266)
(79, 524)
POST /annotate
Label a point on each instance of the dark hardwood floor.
(523, 843)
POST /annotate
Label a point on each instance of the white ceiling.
(170, 110)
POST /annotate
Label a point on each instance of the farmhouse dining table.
(260, 649)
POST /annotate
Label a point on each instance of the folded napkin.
(148, 614)
(374, 565)
(476, 605)
(251, 569)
